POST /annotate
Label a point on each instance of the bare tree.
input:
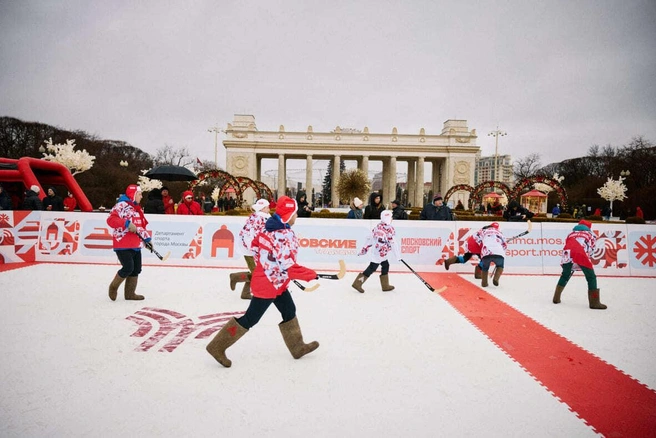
(176, 157)
(527, 167)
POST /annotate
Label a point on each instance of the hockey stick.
(149, 246)
(306, 288)
(339, 275)
(431, 288)
(530, 227)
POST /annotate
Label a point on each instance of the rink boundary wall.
(212, 241)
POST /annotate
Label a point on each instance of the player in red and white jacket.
(382, 241)
(275, 249)
(577, 253)
(493, 248)
(128, 223)
(254, 225)
(472, 248)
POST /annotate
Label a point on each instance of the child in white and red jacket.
(493, 248)
(383, 241)
(128, 221)
(254, 225)
(275, 256)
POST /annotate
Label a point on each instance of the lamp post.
(215, 130)
(496, 135)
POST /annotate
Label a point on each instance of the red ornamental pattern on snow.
(645, 250)
(173, 328)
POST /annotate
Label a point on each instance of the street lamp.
(496, 135)
(215, 130)
(625, 173)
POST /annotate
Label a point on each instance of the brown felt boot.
(593, 299)
(228, 335)
(384, 283)
(484, 276)
(477, 272)
(559, 290)
(451, 260)
(246, 291)
(114, 285)
(291, 333)
(497, 276)
(130, 287)
(359, 281)
(238, 277)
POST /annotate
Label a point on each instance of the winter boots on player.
(114, 285)
(478, 272)
(291, 333)
(557, 292)
(497, 276)
(130, 288)
(384, 283)
(484, 278)
(451, 260)
(238, 277)
(359, 281)
(246, 291)
(593, 299)
(228, 335)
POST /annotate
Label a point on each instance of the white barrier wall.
(622, 250)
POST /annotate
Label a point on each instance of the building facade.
(452, 154)
(485, 170)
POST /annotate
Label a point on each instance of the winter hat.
(396, 201)
(131, 191)
(286, 208)
(585, 223)
(35, 189)
(495, 225)
(357, 202)
(188, 193)
(386, 217)
(437, 197)
(165, 188)
(260, 205)
(272, 204)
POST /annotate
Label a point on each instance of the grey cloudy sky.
(558, 76)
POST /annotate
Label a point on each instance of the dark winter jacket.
(154, 204)
(32, 201)
(398, 212)
(373, 210)
(515, 212)
(304, 209)
(55, 202)
(5, 200)
(431, 212)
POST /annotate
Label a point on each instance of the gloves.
(149, 246)
(132, 227)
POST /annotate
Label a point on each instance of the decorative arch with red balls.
(526, 183)
(459, 188)
(477, 194)
(229, 181)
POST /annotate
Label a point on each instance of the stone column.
(419, 187)
(411, 184)
(334, 196)
(308, 178)
(282, 180)
(435, 178)
(364, 165)
(391, 178)
(444, 176)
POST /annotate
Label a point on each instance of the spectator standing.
(606, 213)
(304, 209)
(52, 202)
(5, 200)
(356, 209)
(32, 201)
(398, 211)
(436, 211)
(69, 202)
(555, 211)
(188, 206)
(167, 200)
(375, 207)
(639, 212)
(155, 203)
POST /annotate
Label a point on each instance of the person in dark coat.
(517, 213)
(5, 200)
(375, 207)
(398, 211)
(155, 203)
(436, 211)
(53, 202)
(32, 201)
(304, 209)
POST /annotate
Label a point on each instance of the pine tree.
(327, 182)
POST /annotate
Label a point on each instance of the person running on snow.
(493, 247)
(383, 239)
(579, 246)
(253, 226)
(128, 221)
(275, 256)
(473, 248)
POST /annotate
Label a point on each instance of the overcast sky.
(557, 76)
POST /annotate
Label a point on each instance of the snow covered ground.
(402, 363)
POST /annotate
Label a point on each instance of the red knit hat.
(495, 225)
(131, 191)
(586, 223)
(286, 208)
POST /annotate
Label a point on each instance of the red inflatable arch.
(33, 171)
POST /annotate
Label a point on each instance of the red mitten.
(298, 272)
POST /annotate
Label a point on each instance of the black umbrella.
(171, 173)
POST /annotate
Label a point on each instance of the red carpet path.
(608, 400)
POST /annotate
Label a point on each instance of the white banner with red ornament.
(213, 241)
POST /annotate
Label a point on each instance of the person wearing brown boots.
(493, 247)
(473, 248)
(383, 241)
(579, 246)
(128, 223)
(253, 226)
(275, 250)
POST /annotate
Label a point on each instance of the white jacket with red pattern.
(124, 212)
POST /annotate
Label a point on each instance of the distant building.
(485, 170)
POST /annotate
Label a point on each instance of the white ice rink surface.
(396, 364)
